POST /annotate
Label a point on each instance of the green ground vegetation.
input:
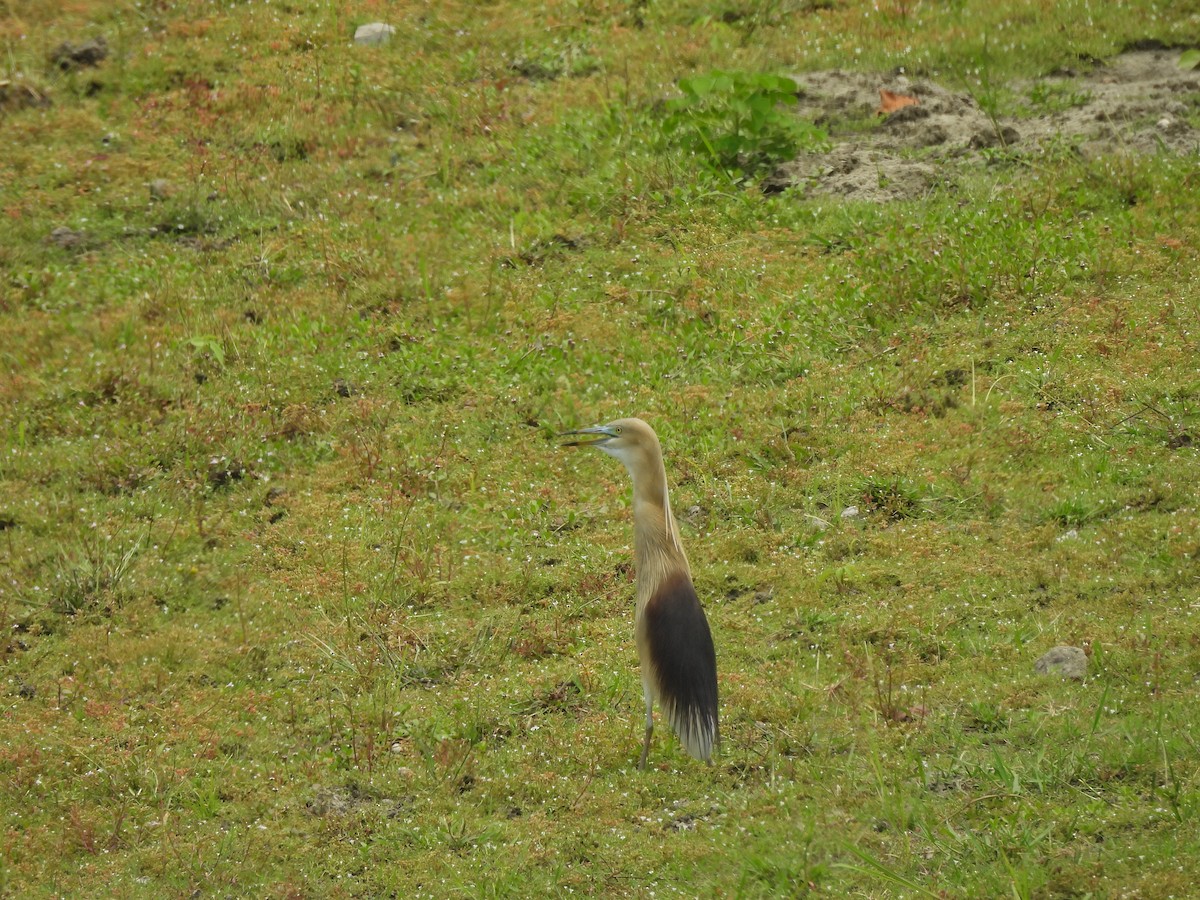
(300, 598)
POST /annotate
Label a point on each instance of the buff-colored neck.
(658, 551)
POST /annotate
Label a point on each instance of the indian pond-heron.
(675, 646)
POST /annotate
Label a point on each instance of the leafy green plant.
(1073, 512)
(739, 122)
(92, 578)
(210, 345)
(891, 497)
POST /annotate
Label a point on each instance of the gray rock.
(850, 512)
(86, 55)
(330, 802)
(1069, 662)
(373, 34)
(67, 238)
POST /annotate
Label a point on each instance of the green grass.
(300, 597)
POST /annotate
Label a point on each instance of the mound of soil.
(1139, 102)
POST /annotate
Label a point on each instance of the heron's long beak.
(603, 435)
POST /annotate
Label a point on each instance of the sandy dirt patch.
(1138, 102)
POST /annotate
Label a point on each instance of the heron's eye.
(618, 429)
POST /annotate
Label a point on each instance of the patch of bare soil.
(1138, 102)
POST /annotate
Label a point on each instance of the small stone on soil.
(90, 53)
(1069, 662)
(373, 34)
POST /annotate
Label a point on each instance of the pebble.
(67, 238)
(161, 189)
(373, 34)
(1069, 662)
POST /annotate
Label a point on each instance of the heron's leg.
(649, 729)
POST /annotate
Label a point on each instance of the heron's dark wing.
(683, 663)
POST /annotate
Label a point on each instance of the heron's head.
(631, 441)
